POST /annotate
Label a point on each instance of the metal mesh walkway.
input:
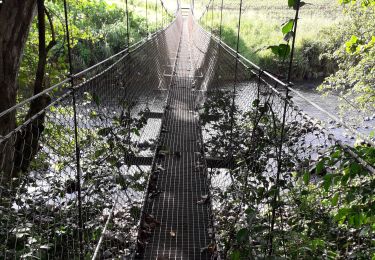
(181, 207)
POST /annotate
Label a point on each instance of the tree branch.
(50, 21)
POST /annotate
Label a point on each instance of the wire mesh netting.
(47, 210)
(113, 162)
(267, 150)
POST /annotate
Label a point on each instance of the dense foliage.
(98, 30)
(354, 52)
(324, 206)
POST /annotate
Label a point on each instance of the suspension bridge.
(131, 157)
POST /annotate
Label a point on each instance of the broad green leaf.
(264, 109)
(281, 50)
(96, 99)
(319, 167)
(99, 152)
(345, 178)
(301, 4)
(306, 177)
(236, 255)
(249, 211)
(351, 45)
(136, 132)
(335, 199)
(104, 131)
(355, 169)
(135, 212)
(287, 26)
(292, 3)
(242, 235)
(256, 102)
(327, 181)
(336, 154)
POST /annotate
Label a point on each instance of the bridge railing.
(67, 182)
(267, 148)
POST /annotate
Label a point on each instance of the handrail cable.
(131, 48)
(289, 86)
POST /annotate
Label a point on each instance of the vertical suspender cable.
(77, 149)
(235, 78)
(279, 159)
(127, 25)
(206, 14)
(212, 16)
(162, 14)
(221, 19)
(147, 18)
(156, 18)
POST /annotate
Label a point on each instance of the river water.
(363, 124)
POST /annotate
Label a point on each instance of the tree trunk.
(27, 143)
(15, 20)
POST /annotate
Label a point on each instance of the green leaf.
(355, 169)
(336, 154)
(345, 1)
(264, 109)
(96, 99)
(306, 177)
(300, 4)
(287, 26)
(249, 211)
(344, 179)
(292, 3)
(135, 212)
(104, 131)
(236, 255)
(281, 50)
(99, 152)
(335, 199)
(242, 235)
(327, 181)
(351, 45)
(319, 167)
(136, 132)
(342, 215)
(256, 102)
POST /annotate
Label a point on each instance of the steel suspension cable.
(212, 16)
(204, 11)
(77, 148)
(221, 19)
(127, 25)
(147, 18)
(156, 17)
(279, 159)
(235, 77)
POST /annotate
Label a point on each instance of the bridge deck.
(181, 208)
